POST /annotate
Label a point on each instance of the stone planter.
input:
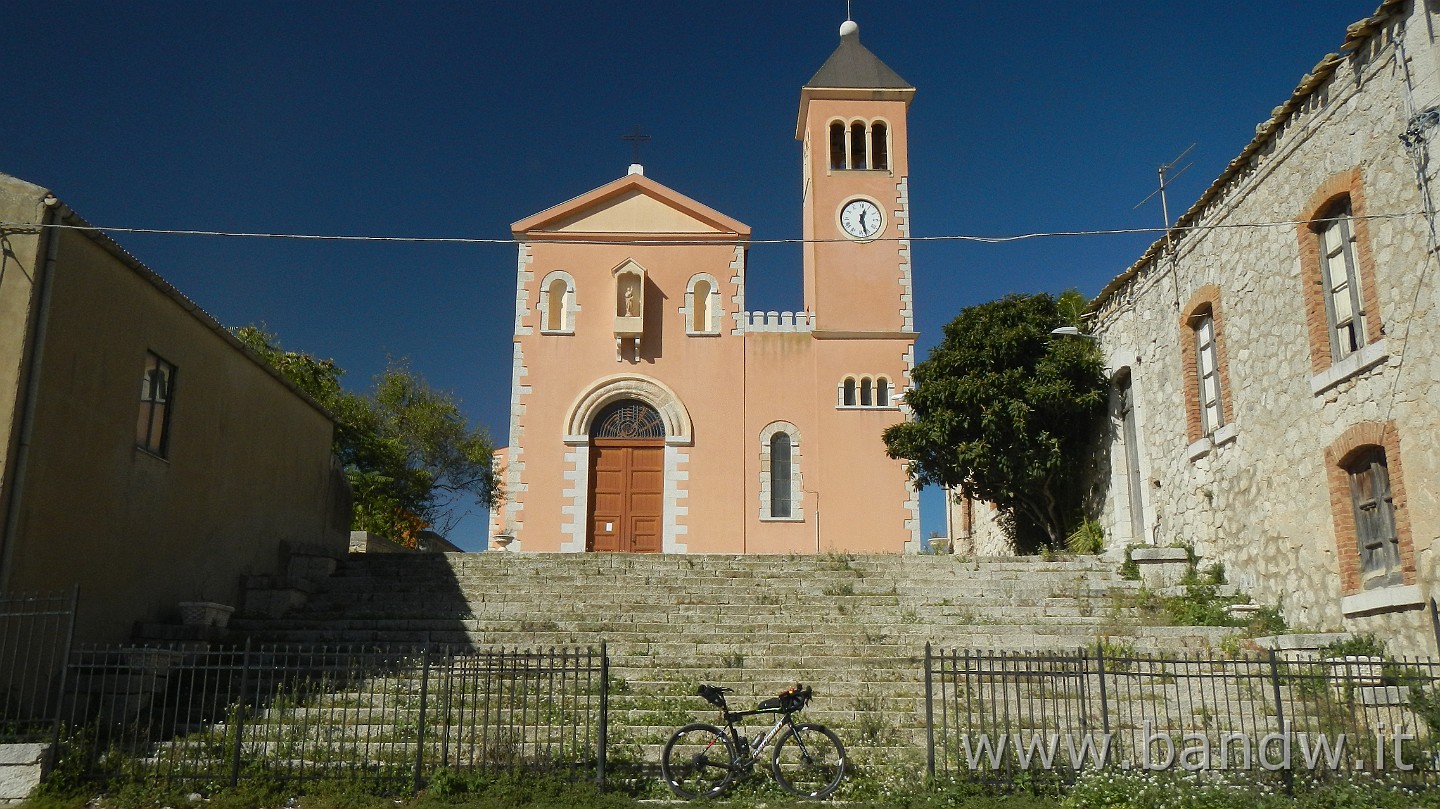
(1161, 567)
(205, 613)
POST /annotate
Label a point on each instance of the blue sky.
(456, 119)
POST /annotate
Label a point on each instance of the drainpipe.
(817, 519)
(26, 422)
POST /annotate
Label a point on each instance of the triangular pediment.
(628, 206)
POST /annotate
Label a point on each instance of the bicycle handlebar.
(790, 700)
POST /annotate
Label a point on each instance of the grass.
(863, 789)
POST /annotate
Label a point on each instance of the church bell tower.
(856, 192)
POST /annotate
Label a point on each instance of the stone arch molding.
(678, 429)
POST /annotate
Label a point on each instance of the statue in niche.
(630, 302)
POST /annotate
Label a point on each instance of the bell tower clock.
(856, 193)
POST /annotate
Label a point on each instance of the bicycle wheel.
(698, 761)
(809, 761)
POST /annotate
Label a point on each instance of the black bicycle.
(702, 760)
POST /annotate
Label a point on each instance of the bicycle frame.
(752, 749)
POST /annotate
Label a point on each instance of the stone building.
(1276, 357)
(652, 412)
(149, 458)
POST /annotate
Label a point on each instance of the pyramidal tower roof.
(852, 72)
(853, 66)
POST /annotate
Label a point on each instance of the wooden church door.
(627, 479)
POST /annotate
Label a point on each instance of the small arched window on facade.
(857, 146)
(557, 304)
(848, 399)
(780, 479)
(867, 393)
(702, 305)
(879, 146)
(882, 392)
(837, 145)
(780, 499)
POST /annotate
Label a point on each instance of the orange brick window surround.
(1352, 442)
(1336, 190)
(1205, 301)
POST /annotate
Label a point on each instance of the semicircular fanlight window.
(628, 419)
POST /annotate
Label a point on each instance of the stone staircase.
(854, 627)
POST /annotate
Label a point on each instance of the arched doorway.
(627, 479)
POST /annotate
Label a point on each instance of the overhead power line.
(1004, 239)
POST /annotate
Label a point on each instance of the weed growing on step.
(870, 724)
(845, 589)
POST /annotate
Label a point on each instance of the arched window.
(1374, 509)
(700, 316)
(857, 146)
(882, 392)
(837, 145)
(780, 499)
(1207, 371)
(849, 397)
(879, 146)
(555, 316)
(1340, 293)
(557, 304)
(1345, 314)
(628, 418)
(1203, 350)
(867, 396)
(702, 305)
(781, 487)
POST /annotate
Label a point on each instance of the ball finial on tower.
(849, 29)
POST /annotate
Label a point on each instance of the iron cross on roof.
(635, 138)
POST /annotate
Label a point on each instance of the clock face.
(860, 219)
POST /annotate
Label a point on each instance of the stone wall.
(1256, 493)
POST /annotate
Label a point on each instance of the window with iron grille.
(157, 390)
(628, 418)
(1374, 519)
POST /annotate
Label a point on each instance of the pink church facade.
(652, 412)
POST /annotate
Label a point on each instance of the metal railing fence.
(998, 717)
(388, 716)
(36, 630)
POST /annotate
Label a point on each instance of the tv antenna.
(1168, 173)
(1166, 177)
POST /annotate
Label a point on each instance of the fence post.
(240, 715)
(1104, 694)
(1435, 623)
(604, 715)
(420, 728)
(54, 754)
(929, 716)
(1280, 715)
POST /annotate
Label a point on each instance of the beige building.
(148, 457)
(651, 411)
(1277, 357)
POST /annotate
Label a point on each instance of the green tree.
(1006, 412)
(410, 454)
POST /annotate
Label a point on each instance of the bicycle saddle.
(714, 694)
